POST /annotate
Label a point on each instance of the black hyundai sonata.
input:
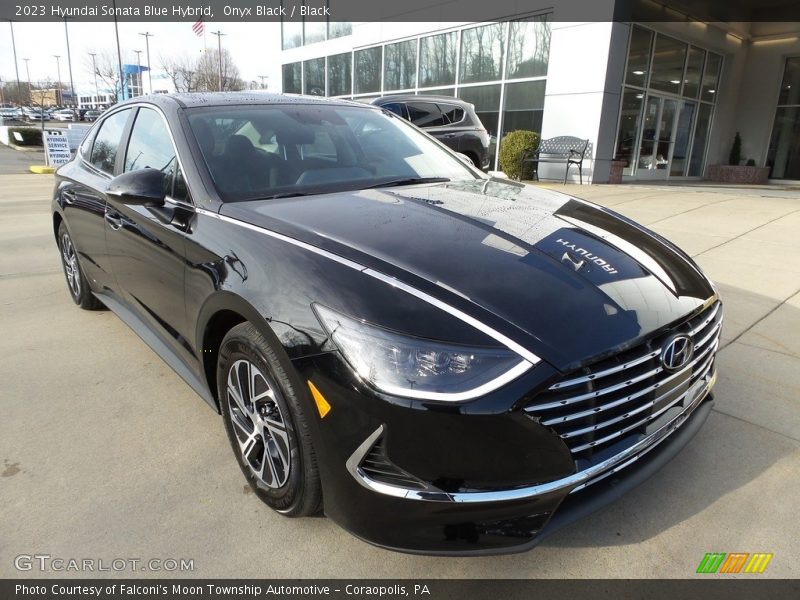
(455, 363)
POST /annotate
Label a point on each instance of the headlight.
(404, 365)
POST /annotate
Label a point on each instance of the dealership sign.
(57, 148)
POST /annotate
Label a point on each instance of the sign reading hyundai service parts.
(57, 148)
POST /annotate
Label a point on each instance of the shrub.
(751, 162)
(735, 156)
(514, 146)
(30, 136)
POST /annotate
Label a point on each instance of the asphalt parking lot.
(106, 453)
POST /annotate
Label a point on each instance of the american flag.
(199, 27)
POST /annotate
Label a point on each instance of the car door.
(84, 201)
(146, 244)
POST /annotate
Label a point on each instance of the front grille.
(610, 404)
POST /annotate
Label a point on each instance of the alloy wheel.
(259, 424)
(70, 259)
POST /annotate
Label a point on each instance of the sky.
(255, 48)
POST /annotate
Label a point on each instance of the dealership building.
(665, 97)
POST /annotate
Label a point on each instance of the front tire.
(78, 287)
(266, 423)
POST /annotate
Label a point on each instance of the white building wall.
(576, 92)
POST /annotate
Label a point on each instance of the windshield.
(280, 150)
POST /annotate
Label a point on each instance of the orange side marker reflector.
(322, 405)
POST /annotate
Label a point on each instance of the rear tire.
(78, 286)
(266, 423)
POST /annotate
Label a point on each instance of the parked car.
(65, 114)
(11, 114)
(450, 120)
(455, 363)
(92, 115)
(35, 114)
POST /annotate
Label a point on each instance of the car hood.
(566, 278)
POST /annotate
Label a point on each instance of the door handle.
(114, 221)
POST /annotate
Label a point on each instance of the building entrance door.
(658, 137)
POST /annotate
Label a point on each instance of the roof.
(196, 99)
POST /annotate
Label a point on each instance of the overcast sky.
(255, 47)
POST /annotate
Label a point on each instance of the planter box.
(615, 174)
(739, 174)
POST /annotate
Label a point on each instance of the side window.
(106, 142)
(452, 113)
(426, 114)
(86, 147)
(150, 145)
(397, 108)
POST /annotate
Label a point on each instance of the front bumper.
(443, 518)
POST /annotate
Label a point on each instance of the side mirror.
(145, 187)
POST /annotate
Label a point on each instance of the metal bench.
(562, 149)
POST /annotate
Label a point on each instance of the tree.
(16, 93)
(182, 72)
(201, 74)
(106, 68)
(207, 72)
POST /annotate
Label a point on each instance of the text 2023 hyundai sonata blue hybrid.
(455, 363)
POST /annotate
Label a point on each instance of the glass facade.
(340, 82)
(783, 157)
(499, 67)
(368, 70)
(667, 106)
(400, 66)
(314, 80)
(296, 33)
(437, 60)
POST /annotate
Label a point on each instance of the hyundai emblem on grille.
(677, 352)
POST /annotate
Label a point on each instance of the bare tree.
(107, 71)
(201, 74)
(208, 72)
(182, 71)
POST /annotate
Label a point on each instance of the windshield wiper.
(407, 181)
(281, 195)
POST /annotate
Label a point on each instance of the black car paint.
(178, 273)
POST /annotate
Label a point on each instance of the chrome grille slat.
(707, 337)
(611, 371)
(590, 413)
(576, 399)
(616, 403)
(706, 321)
(636, 361)
(633, 426)
(578, 432)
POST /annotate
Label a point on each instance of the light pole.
(262, 78)
(147, 35)
(16, 66)
(28, 71)
(96, 103)
(119, 54)
(59, 95)
(219, 35)
(139, 70)
(71, 81)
